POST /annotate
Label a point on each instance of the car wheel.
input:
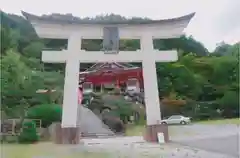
(183, 123)
(164, 123)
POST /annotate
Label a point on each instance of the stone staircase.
(90, 122)
(91, 125)
(135, 97)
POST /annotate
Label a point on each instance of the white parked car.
(177, 119)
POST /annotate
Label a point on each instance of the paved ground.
(226, 145)
(136, 147)
(192, 141)
(215, 138)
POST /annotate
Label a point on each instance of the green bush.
(230, 104)
(29, 133)
(47, 113)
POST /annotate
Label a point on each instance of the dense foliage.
(206, 82)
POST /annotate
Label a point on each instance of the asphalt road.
(215, 138)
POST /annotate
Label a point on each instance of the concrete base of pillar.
(153, 130)
(69, 135)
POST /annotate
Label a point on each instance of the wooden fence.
(13, 126)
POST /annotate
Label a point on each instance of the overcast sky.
(215, 20)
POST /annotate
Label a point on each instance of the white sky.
(215, 20)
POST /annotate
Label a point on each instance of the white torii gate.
(74, 55)
(147, 55)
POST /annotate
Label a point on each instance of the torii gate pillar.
(75, 31)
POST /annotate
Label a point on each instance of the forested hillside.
(202, 84)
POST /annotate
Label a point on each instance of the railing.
(13, 126)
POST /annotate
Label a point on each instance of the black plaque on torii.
(111, 40)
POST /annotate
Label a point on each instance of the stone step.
(90, 123)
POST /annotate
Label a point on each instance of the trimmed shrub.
(229, 103)
(113, 122)
(47, 113)
(28, 134)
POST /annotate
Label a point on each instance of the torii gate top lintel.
(93, 29)
(56, 19)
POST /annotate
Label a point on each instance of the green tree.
(230, 104)
(33, 50)
(8, 39)
(15, 80)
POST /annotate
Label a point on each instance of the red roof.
(105, 73)
(108, 67)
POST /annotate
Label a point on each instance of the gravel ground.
(191, 141)
(132, 147)
(196, 140)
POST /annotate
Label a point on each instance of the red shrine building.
(102, 75)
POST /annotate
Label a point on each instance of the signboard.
(110, 40)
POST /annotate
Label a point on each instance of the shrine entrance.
(87, 87)
(133, 85)
(110, 32)
(113, 75)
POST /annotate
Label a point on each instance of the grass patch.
(139, 130)
(46, 150)
(235, 121)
